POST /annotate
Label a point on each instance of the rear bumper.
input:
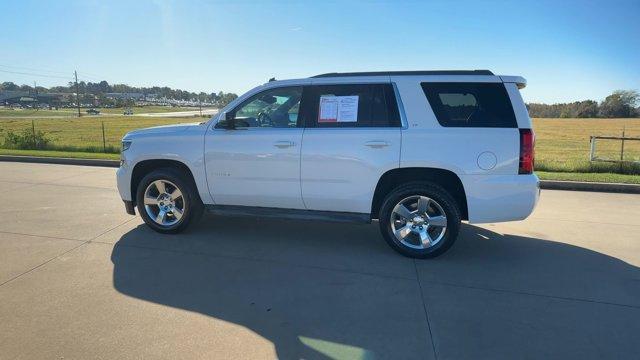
(498, 198)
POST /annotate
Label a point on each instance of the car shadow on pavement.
(327, 290)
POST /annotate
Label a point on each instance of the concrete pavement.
(81, 279)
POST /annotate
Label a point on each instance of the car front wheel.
(420, 220)
(167, 202)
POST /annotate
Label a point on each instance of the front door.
(257, 163)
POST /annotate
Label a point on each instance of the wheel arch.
(144, 167)
(393, 178)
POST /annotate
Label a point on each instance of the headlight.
(126, 144)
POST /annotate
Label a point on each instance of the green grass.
(147, 109)
(85, 134)
(562, 145)
(64, 154)
(69, 112)
(40, 112)
(589, 177)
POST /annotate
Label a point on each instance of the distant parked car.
(93, 112)
(128, 112)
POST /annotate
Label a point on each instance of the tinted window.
(470, 104)
(273, 108)
(352, 105)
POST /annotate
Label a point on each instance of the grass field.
(6, 112)
(148, 109)
(86, 133)
(562, 145)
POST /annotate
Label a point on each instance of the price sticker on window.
(338, 109)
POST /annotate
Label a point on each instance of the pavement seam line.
(61, 254)
(52, 182)
(257, 260)
(42, 236)
(32, 184)
(426, 313)
(581, 221)
(524, 293)
(44, 263)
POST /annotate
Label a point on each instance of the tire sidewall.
(187, 193)
(434, 192)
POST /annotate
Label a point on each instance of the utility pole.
(75, 73)
(35, 91)
(200, 103)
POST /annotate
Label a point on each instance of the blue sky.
(567, 50)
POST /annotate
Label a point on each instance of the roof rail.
(405, 73)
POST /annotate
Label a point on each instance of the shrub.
(26, 140)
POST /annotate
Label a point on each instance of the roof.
(406, 73)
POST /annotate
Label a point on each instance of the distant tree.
(99, 89)
(586, 109)
(620, 104)
(8, 86)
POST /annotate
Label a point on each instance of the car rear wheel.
(420, 220)
(167, 202)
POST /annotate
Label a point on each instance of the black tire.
(193, 207)
(433, 191)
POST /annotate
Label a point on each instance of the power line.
(90, 74)
(39, 72)
(84, 75)
(33, 69)
(34, 74)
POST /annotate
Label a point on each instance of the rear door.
(352, 137)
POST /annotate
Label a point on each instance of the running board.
(296, 214)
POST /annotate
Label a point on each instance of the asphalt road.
(81, 279)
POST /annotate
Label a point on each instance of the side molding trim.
(296, 214)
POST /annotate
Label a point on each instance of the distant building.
(125, 96)
(29, 98)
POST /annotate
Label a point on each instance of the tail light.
(527, 152)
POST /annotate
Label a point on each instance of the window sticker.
(328, 109)
(338, 108)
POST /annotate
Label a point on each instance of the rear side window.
(351, 105)
(471, 104)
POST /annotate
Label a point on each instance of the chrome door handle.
(376, 144)
(283, 144)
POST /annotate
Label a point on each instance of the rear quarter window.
(470, 104)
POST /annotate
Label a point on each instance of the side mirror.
(228, 122)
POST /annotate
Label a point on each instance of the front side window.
(470, 104)
(273, 108)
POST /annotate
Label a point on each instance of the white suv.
(417, 150)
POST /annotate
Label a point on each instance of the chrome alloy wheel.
(418, 222)
(164, 203)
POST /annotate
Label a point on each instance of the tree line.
(620, 104)
(101, 88)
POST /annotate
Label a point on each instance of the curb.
(590, 186)
(544, 184)
(62, 161)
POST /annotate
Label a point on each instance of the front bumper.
(129, 207)
(123, 180)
